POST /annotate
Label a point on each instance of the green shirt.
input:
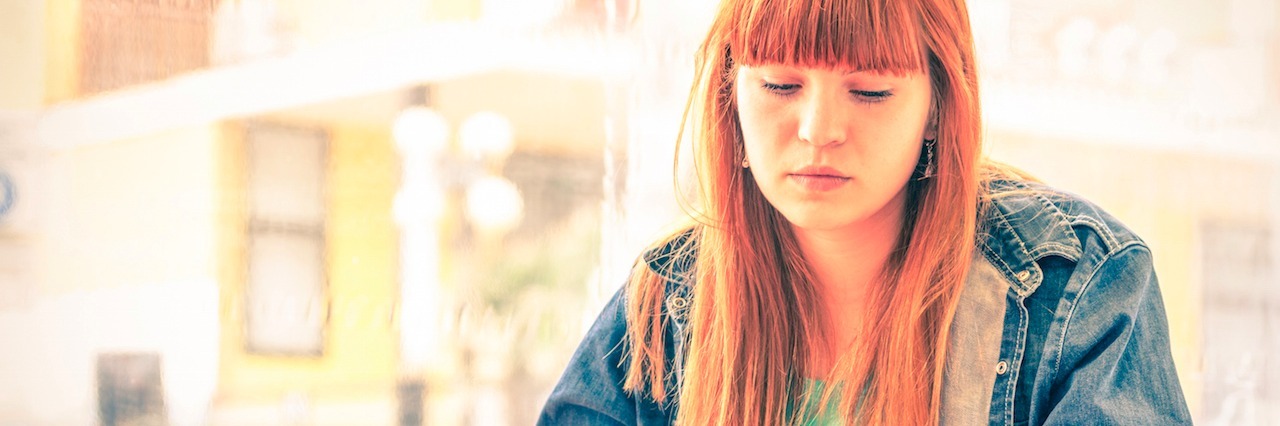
(829, 415)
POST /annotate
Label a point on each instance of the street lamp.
(494, 205)
(421, 137)
(429, 169)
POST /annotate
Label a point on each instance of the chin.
(821, 220)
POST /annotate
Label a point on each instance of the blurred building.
(241, 212)
(201, 221)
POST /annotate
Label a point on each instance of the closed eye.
(781, 89)
(872, 96)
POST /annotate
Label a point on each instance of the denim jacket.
(1060, 322)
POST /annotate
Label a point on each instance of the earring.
(927, 169)
(746, 164)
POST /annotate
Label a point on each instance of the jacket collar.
(1023, 223)
(673, 260)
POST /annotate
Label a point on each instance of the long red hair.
(755, 311)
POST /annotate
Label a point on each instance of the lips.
(822, 171)
(819, 178)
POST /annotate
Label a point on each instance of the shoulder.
(1087, 310)
(1023, 223)
(1049, 221)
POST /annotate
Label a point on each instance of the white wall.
(122, 259)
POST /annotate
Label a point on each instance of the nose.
(823, 120)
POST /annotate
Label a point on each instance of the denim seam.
(1063, 224)
(1071, 313)
(1021, 288)
(995, 259)
(1113, 243)
(1020, 346)
(1015, 357)
(1060, 224)
(1055, 248)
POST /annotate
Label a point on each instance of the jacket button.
(1002, 367)
(1024, 275)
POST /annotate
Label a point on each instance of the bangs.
(872, 35)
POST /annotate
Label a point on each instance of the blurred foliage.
(559, 262)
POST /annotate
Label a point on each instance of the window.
(285, 287)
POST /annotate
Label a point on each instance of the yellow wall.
(360, 355)
(22, 53)
(62, 44)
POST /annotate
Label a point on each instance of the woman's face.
(832, 148)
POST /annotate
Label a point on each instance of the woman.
(855, 261)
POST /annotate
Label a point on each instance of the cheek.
(764, 123)
(755, 137)
(897, 159)
(893, 141)
(759, 130)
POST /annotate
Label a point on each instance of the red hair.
(755, 307)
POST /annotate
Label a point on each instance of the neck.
(847, 262)
(848, 259)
